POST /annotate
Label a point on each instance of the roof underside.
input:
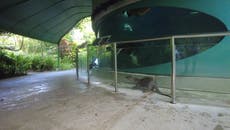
(47, 20)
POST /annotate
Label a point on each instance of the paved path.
(57, 101)
(20, 92)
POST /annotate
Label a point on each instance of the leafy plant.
(66, 63)
(40, 63)
(22, 64)
(13, 65)
(38, 55)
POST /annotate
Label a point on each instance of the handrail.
(144, 40)
(216, 34)
(173, 55)
(203, 35)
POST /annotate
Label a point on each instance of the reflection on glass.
(127, 27)
(125, 13)
(137, 11)
(143, 54)
(187, 47)
(104, 57)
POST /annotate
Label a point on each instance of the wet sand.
(57, 101)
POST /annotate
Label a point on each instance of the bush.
(7, 65)
(22, 64)
(40, 63)
(36, 63)
(66, 63)
(49, 63)
(13, 65)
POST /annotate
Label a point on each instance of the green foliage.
(72, 54)
(35, 47)
(40, 63)
(82, 59)
(7, 66)
(49, 63)
(22, 64)
(13, 65)
(37, 55)
(84, 28)
(66, 64)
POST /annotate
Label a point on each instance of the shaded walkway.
(57, 101)
(22, 91)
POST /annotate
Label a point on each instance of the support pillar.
(77, 64)
(87, 63)
(115, 65)
(58, 57)
(173, 71)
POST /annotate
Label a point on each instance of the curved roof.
(47, 20)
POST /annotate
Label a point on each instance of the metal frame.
(77, 63)
(178, 37)
(173, 71)
(87, 63)
(173, 56)
(115, 66)
(58, 57)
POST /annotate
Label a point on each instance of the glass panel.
(145, 57)
(141, 64)
(82, 61)
(203, 70)
(105, 56)
(102, 64)
(152, 22)
(203, 57)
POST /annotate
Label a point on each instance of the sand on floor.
(97, 107)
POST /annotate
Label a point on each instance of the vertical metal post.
(87, 63)
(115, 66)
(58, 57)
(173, 71)
(77, 64)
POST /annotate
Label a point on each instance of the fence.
(199, 55)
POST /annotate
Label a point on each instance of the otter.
(146, 84)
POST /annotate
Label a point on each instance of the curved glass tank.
(206, 56)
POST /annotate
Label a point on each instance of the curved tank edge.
(214, 61)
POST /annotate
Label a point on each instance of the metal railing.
(173, 56)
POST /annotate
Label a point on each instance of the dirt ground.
(56, 101)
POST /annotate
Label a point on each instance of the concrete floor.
(19, 92)
(57, 101)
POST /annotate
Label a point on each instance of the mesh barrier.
(202, 69)
(203, 57)
(106, 57)
(202, 66)
(144, 61)
(101, 64)
(145, 57)
(82, 62)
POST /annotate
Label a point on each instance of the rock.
(220, 114)
(218, 127)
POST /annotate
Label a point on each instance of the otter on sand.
(146, 84)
